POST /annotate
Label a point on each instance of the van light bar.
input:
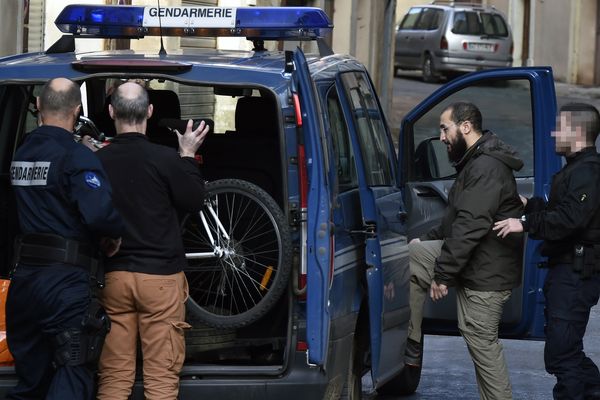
(269, 23)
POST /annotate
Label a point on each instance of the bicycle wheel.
(248, 273)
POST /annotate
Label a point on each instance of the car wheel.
(405, 383)
(429, 73)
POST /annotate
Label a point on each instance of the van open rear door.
(319, 239)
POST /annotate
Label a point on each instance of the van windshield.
(479, 23)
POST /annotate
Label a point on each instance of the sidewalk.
(566, 92)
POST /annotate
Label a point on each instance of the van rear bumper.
(300, 382)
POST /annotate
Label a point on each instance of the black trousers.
(42, 302)
(568, 302)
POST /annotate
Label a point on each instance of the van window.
(430, 19)
(408, 22)
(371, 131)
(473, 23)
(344, 155)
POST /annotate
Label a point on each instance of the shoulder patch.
(583, 197)
(92, 180)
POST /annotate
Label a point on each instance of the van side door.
(319, 239)
(383, 228)
(519, 106)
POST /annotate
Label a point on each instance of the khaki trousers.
(153, 307)
(479, 314)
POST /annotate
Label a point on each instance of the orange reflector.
(266, 277)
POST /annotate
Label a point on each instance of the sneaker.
(413, 355)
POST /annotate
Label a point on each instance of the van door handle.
(425, 192)
(402, 216)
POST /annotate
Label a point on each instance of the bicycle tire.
(244, 283)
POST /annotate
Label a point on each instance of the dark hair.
(587, 117)
(132, 110)
(60, 102)
(464, 111)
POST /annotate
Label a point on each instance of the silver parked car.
(454, 37)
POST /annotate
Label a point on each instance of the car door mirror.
(431, 160)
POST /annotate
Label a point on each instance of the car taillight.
(496, 46)
(464, 45)
(444, 43)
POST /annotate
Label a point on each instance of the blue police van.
(298, 263)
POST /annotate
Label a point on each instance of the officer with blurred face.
(55, 325)
(569, 224)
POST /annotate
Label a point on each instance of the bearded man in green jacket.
(464, 252)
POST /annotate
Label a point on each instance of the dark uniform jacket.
(151, 183)
(484, 192)
(61, 188)
(571, 215)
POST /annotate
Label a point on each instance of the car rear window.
(482, 23)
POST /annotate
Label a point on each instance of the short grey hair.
(60, 102)
(131, 110)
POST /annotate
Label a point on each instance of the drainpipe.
(385, 79)
(573, 57)
(532, 11)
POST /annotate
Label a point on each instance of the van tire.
(405, 383)
(429, 73)
(352, 389)
(259, 240)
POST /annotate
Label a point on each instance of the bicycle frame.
(218, 250)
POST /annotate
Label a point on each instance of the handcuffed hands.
(438, 292)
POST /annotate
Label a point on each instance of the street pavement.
(448, 372)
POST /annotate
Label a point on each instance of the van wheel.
(429, 72)
(405, 383)
(239, 254)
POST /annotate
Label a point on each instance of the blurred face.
(452, 137)
(569, 135)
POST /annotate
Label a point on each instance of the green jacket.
(485, 191)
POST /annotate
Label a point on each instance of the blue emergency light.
(268, 23)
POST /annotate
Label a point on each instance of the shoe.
(413, 355)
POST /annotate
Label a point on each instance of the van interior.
(244, 142)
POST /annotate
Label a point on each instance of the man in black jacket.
(145, 285)
(464, 252)
(569, 224)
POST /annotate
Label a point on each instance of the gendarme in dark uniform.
(569, 224)
(54, 324)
